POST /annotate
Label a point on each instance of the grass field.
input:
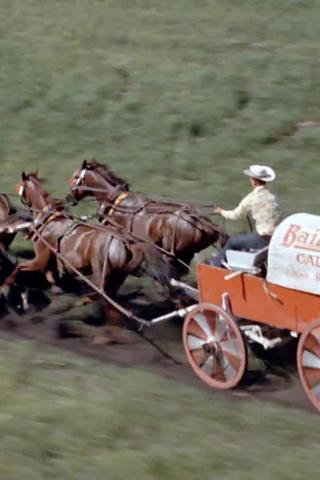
(178, 97)
(66, 417)
(183, 93)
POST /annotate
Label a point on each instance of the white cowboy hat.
(261, 172)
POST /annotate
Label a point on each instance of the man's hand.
(218, 210)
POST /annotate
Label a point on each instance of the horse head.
(95, 179)
(32, 194)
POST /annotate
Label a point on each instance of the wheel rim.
(308, 359)
(214, 346)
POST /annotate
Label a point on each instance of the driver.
(261, 205)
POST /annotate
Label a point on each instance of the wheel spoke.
(316, 392)
(195, 342)
(214, 346)
(312, 376)
(199, 356)
(208, 366)
(233, 360)
(202, 321)
(221, 327)
(312, 344)
(229, 371)
(218, 372)
(310, 360)
(231, 346)
(195, 330)
(316, 333)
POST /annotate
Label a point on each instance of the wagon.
(260, 297)
(243, 303)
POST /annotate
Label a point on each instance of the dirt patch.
(65, 324)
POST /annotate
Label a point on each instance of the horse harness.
(107, 209)
(47, 216)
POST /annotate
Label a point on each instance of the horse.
(6, 209)
(178, 228)
(63, 244)
(10, 297)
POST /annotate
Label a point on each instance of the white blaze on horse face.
(82, 174)
(77, 182)
(21, 191)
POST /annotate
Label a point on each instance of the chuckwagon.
(260, 297)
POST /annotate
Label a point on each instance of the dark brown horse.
(105, 254)
(6, 209)
(180, 229)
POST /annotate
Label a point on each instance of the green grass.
(67, 417)
(183, 93)
(178, 97)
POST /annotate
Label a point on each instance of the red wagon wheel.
(214, 346)
(308, 359)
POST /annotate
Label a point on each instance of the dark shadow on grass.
(280, 363)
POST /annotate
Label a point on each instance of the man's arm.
(241, 211)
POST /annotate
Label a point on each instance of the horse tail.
(157, 265)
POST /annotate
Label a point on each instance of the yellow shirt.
(263, 207)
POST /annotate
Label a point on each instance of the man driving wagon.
(261, 205)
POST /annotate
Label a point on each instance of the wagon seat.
(253, 262)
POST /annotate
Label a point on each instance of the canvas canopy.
(294, 253)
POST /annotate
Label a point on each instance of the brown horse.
(180, 229)
(6, 209)
(105, 254)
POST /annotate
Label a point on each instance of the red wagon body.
(236, 305)
(255, 299)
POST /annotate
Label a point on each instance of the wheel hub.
(212, 348)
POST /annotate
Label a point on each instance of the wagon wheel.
(214, 346)
(308, 359)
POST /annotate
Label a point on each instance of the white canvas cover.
(294, 253)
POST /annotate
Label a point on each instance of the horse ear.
(84, 164)
(24, 176)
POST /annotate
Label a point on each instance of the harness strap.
(48, 217)
(117, 202)
(94, 287)
(69, 230)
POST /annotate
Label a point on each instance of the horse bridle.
(21, 193)
(79, 181)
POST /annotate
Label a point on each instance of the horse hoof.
(104, 340)
(110, 335)
(56, 290)
(87, 301)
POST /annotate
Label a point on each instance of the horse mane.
(54, 202)
(109, 175)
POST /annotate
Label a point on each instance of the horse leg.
(112, 332)
(103, 336)
(39, 262)
(50, 278)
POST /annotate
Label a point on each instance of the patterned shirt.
(263, 207)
